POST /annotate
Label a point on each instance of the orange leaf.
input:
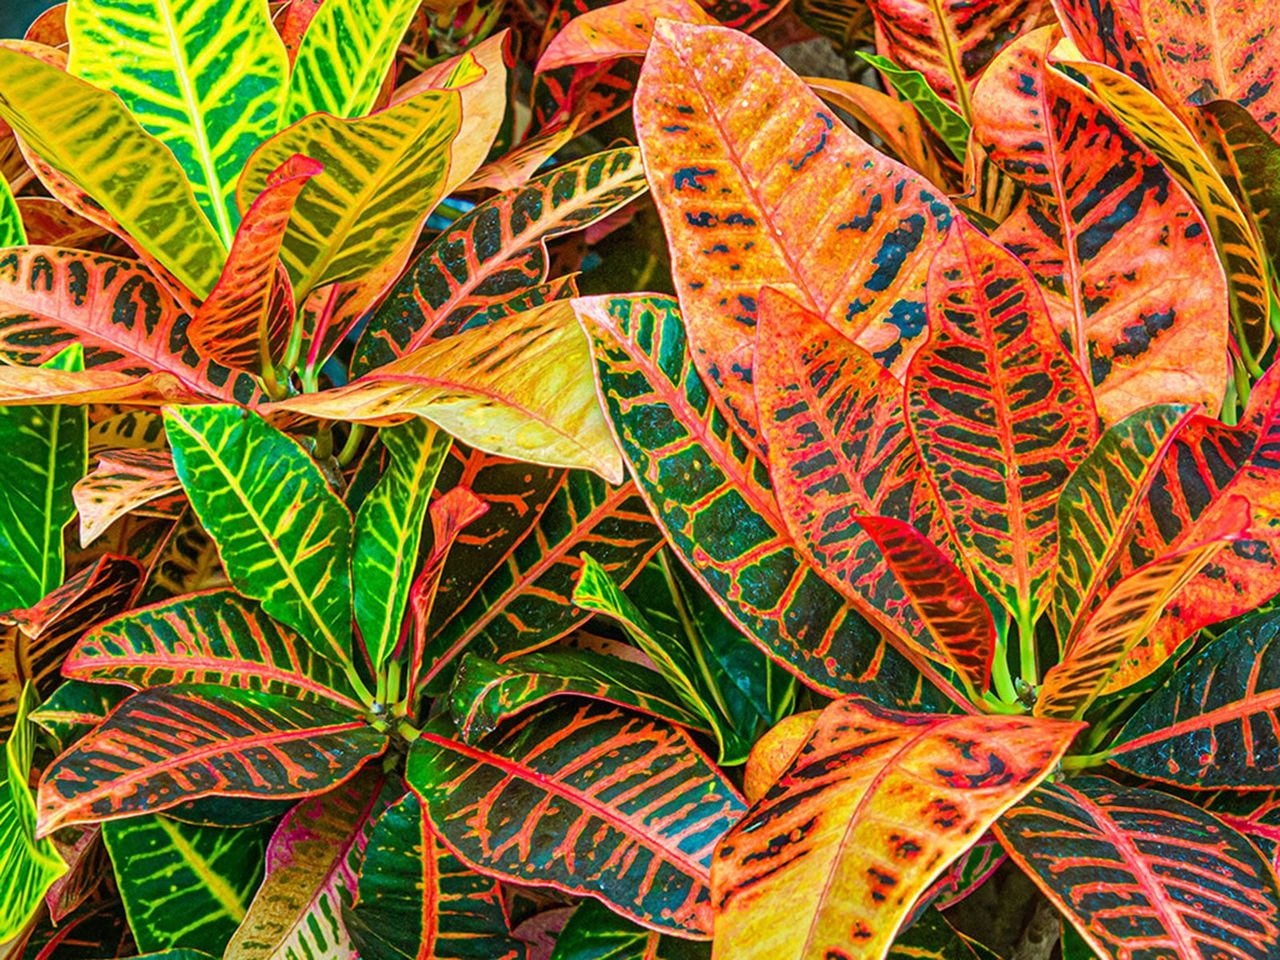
(870, 811)
(618, 30)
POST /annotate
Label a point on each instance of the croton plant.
(547, 480)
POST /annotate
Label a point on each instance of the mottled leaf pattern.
(1141, 872)
(758, 183)
(1000, 415)
(167, 745)
(283, 535)
(873, 806)
(589, 799)
(124, 481)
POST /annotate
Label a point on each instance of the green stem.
(1000, 676)
(324, 442)
(352, 445)
(362, 692)
(995, 705)
(1028, 666)
(1082, 761)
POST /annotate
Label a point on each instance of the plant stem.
(352, 445)
(1027, 648)
(1000, 677)
(1083, 761)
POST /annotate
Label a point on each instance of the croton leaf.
(873, 807)
(951, 42)
(1184, 157)
(182, 885)
(12, 233)
(1000, 414)
(207, 79)
(166, 745)
(1214, 723)
(713, 498)
(345, 54)
(311, 867)
(124, 481)
(1127, 612)
(25, 386)
(840, 448)
(616, 30)
(1240, 145)
(382, 176)
(931, 937)
(246, 320)
(951, 126)
(283, 534)
(417, 901)
(125, 320)
(214, 637)
(595, 932)
(855, 249)
(514, 387)
(484, 693)
(495, 254)
(27, 866)
(388, 529)
(1099, 505)
(525, 603)
(89, 137)
(46, 448)
(1126, 262)
(75, 708)
(1137, 871)
(590, 799)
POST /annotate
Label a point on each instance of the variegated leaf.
(1000, 414)
(617, 30)
(1124, 257)
(282, 533)
(124, 481)
(758, 183)
(204, 77)
(713, 498)
(213, 637)
(590, 799)
(470, 274)
(1139, 872)
(167, 745)
(873, 806)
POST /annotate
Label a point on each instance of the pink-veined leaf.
(1000, 414)
(617, 30)
(124, 481)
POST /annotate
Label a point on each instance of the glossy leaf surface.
(595, 932)
(870, 810)
(753, 177)
(388, 529)
(1213, 723)
(617, 30)
(940, 115)
(514, 387)
(1178, 882)
(713, 498)
(214, 637)
(418, 901)
(589, 799)
(382, 176)
(166, 745)
(184, 886)
(124, 481)
(88, 137)
(206, 79)
(312, 862)
(114, 308)
(487, 260)
(1000, 414)
(284, 536)
(1125, 259)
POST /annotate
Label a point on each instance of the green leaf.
(12, 233)
(388, 531)
(344, 56)
(484, 693)
(205, 77)
(27, 866)
(526, 603)
(930, 937)
(417, 900)
(167, 745)
(283, 534)
(45, 449)
(589, 799)
(89, 137)
(212, 637)
(312, 863)
(944, 119)
(184, 886)
(595, 932)
(382, 177)
(75, 708)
